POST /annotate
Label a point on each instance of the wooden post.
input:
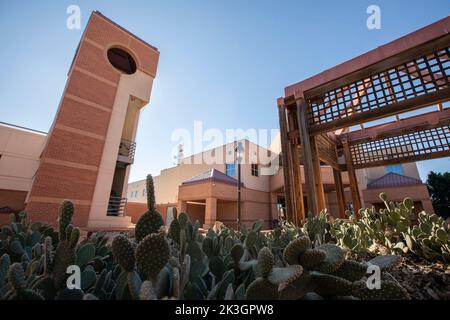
(318, 187)
(298, 192)
(356, 196)
(296, 173)
(310, 179)
(339, 192)
(284, 154)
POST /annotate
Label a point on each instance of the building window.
(395, 169)
(230, 169)
(121, 60)
(143, 192)
(255, 170)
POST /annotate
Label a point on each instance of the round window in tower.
(122, 60)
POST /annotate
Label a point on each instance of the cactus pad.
(16, 276)
(285, 275)
(150, 222)
(295, 248)
(174, 231)
(312, 257)
(250, 239)
(333, 260)
(351, 270)
(123, 252)
(390, 290)
(326, 284)
(386, 262)
(183, 219)
(262, 289)
(237, 252)
(266, 261)
(152, 254)
(147, 291)
(65, 217)
(217, 267)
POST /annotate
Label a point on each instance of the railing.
(116, 206)
(126, 151)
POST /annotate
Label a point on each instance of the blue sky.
(222, 62)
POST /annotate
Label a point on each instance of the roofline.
(210, 178)
(98, 13)
(223, 145)
(428, 33)
(17, 127)
(419, 182)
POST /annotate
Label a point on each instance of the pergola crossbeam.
(428, 141)
(407, 74)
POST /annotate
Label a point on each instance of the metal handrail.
(116, 206)
(127, 148)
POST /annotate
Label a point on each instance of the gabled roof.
(211, 175)
(392, 179)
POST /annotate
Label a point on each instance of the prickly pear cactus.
(296, 248)
(389, 290)
(151, 221)
(123, 252)
(152, 254)
(222, 263)
(66, 210)
(262, 289)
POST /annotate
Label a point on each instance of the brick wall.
(136, 209)
(75, 144)
(12, 199)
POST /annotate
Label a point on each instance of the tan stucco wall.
(277, 180)
(366, 176)
(139, 86)
(256, 205)
(415, 192)
(168, 181)
(259, 195)
(20, 151)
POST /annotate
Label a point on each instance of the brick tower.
(90, 146)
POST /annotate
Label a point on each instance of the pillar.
(318, 186)
(340, 196)
(354, 188)
(294, 158)
(182, 206)
(310, 177)
(273, 206)
(210, 212)
(286, 163)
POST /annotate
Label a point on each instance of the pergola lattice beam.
(417, 138)
(391, 91)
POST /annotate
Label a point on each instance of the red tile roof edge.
(393, 179)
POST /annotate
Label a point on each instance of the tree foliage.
(439, 187)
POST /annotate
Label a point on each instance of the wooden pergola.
(316, 115)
